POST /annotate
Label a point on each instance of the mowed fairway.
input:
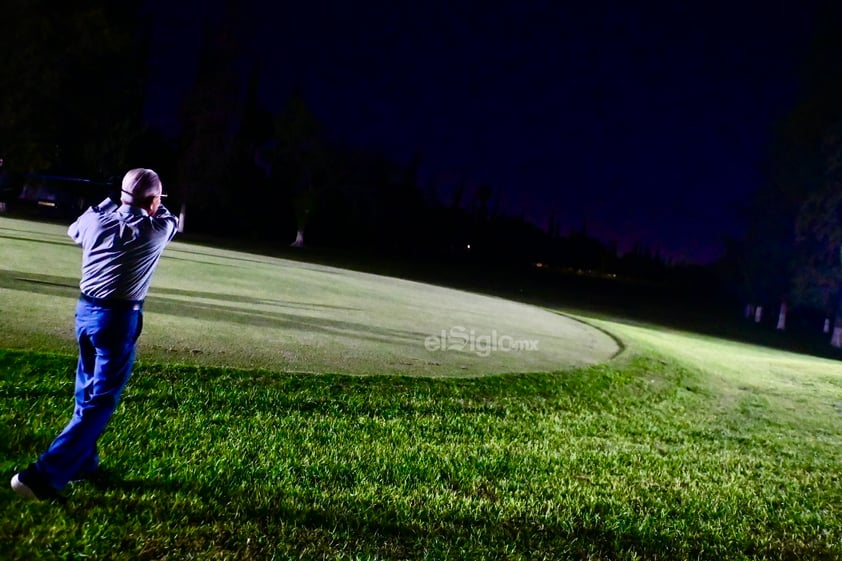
(681, 447)
(217, 307)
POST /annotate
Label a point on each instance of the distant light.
(469, 246)
(46, 203)
(539, 265)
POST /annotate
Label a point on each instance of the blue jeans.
(107, 333)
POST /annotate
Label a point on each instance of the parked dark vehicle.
(57, 196)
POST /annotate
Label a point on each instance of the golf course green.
(218, 307)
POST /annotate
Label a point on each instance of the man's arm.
(165, 221)
(105, 206)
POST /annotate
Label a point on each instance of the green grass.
(683, 447)
(218, 307)
(639, 458)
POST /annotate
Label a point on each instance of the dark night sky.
(647, 122)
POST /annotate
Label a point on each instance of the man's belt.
(112, 303)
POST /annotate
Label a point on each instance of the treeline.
(72, 104)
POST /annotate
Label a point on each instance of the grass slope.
(210, 306)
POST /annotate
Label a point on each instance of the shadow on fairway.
(69, 286)
(36, 240)
(241, 299)
(52, 285)
(173, 254)
(279, 320)
(35, 283)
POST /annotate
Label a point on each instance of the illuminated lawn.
(682, 447)
(217, 307)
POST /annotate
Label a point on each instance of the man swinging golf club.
(121, 246)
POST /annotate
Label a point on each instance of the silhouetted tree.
(818, 270)
(209, 124)
(71, 89)
(792, 220)
(263, 208)
(301, 162)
